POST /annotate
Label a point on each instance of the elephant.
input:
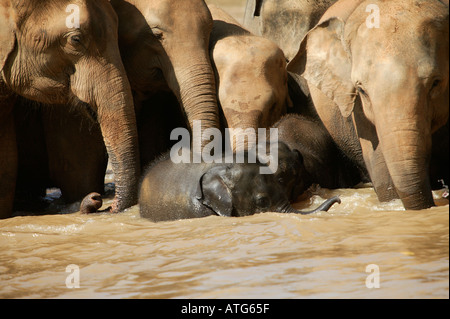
(318, 160)
(172, 191)
(160, 102)
(158, 109)
(164, 48)
(57, 147)
(251, 79)
(379, 83)
(55, 52)
(285, 22)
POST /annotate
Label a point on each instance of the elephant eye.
(361, 91)
(75, 39)
(434, 91)
(74, 43)
(436, 83)
(262, 201)
(157, 32)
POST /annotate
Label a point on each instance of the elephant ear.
(7, 31)
(324, 61)
(214, 193)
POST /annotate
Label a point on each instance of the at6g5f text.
(246, 308)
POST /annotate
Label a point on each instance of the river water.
(268, 255)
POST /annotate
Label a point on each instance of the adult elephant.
(164, 47)
(379, 82)
(285, 22)
(251, 78)
(55, 53)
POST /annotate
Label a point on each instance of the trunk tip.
(91, 203)
(328, 203)
(336, 199)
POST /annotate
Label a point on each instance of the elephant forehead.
(404, 26)
(57, 13)
(248, 174)
(48, 22)
(153, 16)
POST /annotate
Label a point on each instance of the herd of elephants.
(358, 90)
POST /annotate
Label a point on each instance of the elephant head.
(384, 65)
(291, 173)
(240, 190)
(61, 52)
(165, 43)
(251, 79)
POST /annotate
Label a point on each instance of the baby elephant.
(172, 191)
(319, 161)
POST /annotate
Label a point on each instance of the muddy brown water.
(270, 255)
(343, 253)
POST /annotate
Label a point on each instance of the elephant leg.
(32, 171)
(8, 158)
(440, 158)
(77, 156)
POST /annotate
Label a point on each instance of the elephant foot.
(91, 203)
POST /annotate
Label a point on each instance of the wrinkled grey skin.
(172, 191)
(285, 22)
(318, 160)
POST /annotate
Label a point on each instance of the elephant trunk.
(194, 86)
(117, 121)
(325, 206)
(406, 147)
(243, 134)
(109, 92)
